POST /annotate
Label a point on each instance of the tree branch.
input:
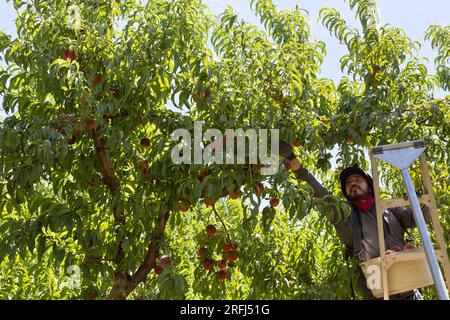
(111, 180)
(223, 224)
(121, 292)
(109, 175)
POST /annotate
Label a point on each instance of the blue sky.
(414, 16)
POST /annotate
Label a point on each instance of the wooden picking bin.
(406, 270)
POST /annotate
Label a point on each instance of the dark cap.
(355, 169)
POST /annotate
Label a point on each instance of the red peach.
(274, 202)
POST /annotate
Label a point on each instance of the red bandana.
(365, 203)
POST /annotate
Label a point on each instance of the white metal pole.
(428, 246)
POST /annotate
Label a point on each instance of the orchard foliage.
(85, 168)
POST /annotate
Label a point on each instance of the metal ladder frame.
(428, 198)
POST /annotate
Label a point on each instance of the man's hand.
(286, 150)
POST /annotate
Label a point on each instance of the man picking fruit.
(359, 232)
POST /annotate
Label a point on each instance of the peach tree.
(93, 91)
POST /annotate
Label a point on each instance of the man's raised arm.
(342, 225)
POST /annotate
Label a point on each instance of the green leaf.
(41, 248)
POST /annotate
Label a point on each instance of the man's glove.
(286, 150)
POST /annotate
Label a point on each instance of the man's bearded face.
(356, 186)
